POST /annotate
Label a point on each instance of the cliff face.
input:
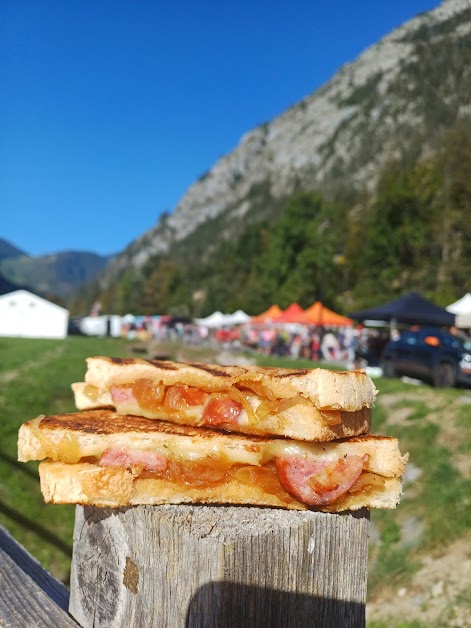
(393, 102)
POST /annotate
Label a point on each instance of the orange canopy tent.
(318, 314)
(273, 311)
(292, 314)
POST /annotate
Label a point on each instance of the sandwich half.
(309, 404)
(102, 458)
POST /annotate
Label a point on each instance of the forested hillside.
(356, 193)
(411, 232)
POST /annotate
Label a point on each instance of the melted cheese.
(66, 448)
(255, 409)
(72, 446)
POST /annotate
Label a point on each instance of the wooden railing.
(196, 566)
(29, 595)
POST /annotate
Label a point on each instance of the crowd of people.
(353, 346)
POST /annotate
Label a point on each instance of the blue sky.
(110, 110)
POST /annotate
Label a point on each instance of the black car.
(429, 354)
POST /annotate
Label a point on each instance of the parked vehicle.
(430, 354)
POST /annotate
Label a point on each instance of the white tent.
(214, 320)
(462, 309)
(105, 325)
(218, 319)
(25, 315)
(237, 318)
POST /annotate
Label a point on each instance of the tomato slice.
(221, 409)
(193, 396)
(180, 397)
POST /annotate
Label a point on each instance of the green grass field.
(434, 426)
(35, 378)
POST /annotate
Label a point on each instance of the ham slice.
(318, 482)
(122, 393)
(147, 460)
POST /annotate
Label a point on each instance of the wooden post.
(218, 567)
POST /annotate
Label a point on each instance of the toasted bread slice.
(137, 460)
(307, 404)
(114, 487)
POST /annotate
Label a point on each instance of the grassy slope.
(433, 425)
(35, 378)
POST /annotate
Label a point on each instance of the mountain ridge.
(58, 274)
(9, 250)
(316, 141)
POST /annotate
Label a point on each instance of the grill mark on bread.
(299, 373)
(169, 366)
(161, 364)
(119, 360)
(106, 422)
(207, 368)
(173, 366)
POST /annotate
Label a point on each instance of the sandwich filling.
(240, 405)
(313, 474)
(310, 481)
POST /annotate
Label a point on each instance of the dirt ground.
(439, 594)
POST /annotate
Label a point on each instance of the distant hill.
(9, 250)
(59, 274)
(7, 286)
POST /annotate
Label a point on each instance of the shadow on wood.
(219, 604)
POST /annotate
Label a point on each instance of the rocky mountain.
(393, 103)
(59, 274)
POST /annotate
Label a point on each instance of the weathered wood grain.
(29, 595)
(195, 566)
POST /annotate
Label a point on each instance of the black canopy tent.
(411, 308)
